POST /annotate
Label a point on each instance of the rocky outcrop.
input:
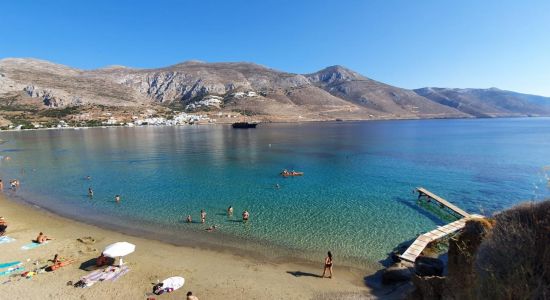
(507, 257)
(396, 273)
(428, 266)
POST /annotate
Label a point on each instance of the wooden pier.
(422, 192)
(416, 248)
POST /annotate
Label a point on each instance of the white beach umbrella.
(119, 249)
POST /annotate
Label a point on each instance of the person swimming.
(246, 215)
(211, 228)
(90, 192)
(117, 198)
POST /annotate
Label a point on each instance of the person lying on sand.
(59, 263)
(42, 238)
(191, 297)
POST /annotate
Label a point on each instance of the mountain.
(30, 85)
(491, 102)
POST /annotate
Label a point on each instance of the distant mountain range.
(332, 93)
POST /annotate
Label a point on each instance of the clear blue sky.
(466, 43)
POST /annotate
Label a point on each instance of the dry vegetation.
(513, 261)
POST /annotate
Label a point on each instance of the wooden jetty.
(422, 192)
(423, 240)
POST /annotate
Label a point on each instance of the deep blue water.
(355, 198)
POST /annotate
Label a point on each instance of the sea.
(356, 197)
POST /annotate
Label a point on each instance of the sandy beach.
(209, 274)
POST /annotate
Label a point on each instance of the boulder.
(429, 266)
(396, 273)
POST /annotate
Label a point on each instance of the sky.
(410, 44)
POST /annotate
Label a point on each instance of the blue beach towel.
(6, 239)
(32, 245)
(5, 265)
(12, 269)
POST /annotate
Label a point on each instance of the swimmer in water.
(117, 198)
(189, 220)
(230, 210)
(90, 192)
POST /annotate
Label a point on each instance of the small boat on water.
(286, 173)
(244, 125)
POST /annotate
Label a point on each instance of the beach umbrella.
(119, 249)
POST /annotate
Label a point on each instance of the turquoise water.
(355, 198)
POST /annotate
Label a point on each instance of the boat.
(244, 125)
(291, 173)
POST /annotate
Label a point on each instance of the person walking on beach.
(90, 192)
(1, 185)
(328, 265)
(117, 198)
(246, 215)
(203, 216)
(3, 226)
(230, 210)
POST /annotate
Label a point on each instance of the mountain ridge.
(335, 92)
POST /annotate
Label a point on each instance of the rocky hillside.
(491, 102)
(332, 93)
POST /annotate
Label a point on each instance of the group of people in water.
(245, 216)
(285, 172)
(14, 184)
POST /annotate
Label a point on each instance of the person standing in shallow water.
(230, 210)
(203, 216)
(246, 215)
(328, 265)
(117, 198)
(90, 192)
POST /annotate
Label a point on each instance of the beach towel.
(110, 273)
(32, 245)
(6, 239)
(12, 269)
(5, 265)
(124, 270)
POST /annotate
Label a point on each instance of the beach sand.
(209, 274)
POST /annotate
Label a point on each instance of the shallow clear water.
(355, 198)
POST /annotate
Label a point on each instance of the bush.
(513, 261)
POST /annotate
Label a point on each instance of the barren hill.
(332, 93)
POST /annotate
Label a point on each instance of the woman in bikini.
(328, 265)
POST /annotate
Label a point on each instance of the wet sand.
(209, 274)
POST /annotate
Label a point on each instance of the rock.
(428, 266)
(396, 273)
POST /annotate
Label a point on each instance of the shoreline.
(277, 122)
(205, 270)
